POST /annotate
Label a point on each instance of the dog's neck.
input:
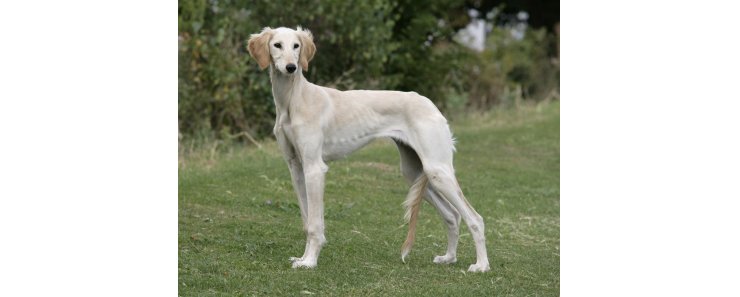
(285, 87)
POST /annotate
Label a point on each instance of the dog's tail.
(413, 204)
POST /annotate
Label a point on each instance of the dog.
(316, 124)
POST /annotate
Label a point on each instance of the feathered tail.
(413, 204)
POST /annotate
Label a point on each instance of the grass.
(239, 220)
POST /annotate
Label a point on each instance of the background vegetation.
(376, 44)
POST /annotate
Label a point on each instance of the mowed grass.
(239, 220)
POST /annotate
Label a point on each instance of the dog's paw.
(479, 267)
(445, 259)
(301, 263)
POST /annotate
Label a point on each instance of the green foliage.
(427, 59)
(219, 90)
(511, 70)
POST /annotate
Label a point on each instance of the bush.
(509, 70)
(219, 91)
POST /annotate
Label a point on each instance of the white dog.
(316, 124)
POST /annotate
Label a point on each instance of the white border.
(650, 148)
(88, 120)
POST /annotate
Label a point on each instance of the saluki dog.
(316, 124)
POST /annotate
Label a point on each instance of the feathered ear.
(308, 48)
(258, 47)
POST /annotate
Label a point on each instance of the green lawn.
(239, 220)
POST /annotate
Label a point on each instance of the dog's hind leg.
(411, 168)
(435, 146)
(452, 218)
(442, 179)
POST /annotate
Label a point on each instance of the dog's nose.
(290, 67)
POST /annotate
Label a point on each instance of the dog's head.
(286, 49)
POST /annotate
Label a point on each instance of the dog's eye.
(277, 45)
(295, 45)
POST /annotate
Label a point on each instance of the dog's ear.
(258, 47)
(308, 48)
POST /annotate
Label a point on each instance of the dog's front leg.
(296, 172)
(299, 185)
(297, 176)
(314, 172)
